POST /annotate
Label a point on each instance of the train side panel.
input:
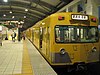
(41, 34)
(44, 38)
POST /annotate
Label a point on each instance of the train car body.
(67, 38)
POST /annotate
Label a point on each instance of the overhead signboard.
(79, 17)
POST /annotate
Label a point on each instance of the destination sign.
(79, 17)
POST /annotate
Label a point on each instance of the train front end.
(76, 41)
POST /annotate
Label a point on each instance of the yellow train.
(66, 38)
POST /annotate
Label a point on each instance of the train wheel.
(70, 68)
(81, 67)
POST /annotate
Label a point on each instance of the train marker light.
(79, 17)
(61, 18)
(93, 19)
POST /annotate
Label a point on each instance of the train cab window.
(70, 34)
(64, 34)
(58, 35)
(93, 34)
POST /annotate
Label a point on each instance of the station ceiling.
(29, 11)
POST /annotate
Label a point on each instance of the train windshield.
(70, 34)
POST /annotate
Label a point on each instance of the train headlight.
(94, 49)
(62, 51)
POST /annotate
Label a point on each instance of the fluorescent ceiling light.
(22, 22)
(24, 16)
(10, 12)
(18, 22)
(13, 16)
(4, 15)
(26, 9)
(0, 28)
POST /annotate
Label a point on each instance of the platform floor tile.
(11, 57)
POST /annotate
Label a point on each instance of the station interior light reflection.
(5, 0)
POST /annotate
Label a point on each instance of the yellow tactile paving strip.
(26, 64)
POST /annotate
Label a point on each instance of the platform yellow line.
(26, 64)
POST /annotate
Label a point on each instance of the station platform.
(22, 58)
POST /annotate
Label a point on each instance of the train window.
(57, 34)
(93, 34)
(65, 34)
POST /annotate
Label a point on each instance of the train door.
(32, 35)
(41, 37)
(44, 40)
(48, 42)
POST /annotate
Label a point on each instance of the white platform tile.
(10, 57)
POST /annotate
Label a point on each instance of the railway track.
(92, 69)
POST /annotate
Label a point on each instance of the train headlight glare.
(62, 51)
(94, 49)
